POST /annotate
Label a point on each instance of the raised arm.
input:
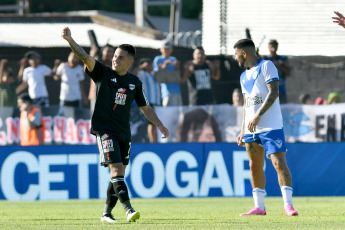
(215, 69)
(23, 62)
(188, 70)
(2, 66)
(79, 51)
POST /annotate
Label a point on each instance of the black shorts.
(111, 150)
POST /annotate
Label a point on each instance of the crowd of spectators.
(161, 79)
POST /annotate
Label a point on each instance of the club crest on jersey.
(131, 86)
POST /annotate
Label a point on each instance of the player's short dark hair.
(246, 42)
(129, 48)
(25, 98)
(273, 42)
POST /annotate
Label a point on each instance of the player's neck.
(251, 61)
(121, 73)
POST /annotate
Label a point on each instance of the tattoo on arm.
(272, 95)
(80, 52)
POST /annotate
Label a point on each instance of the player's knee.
(279, 164)
(117, 170)
(255, 166)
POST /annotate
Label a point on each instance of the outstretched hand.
(340, 20)
(66, 34)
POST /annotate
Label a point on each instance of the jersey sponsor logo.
(120, 98)
(131, 86)
(252, 101)
(278, 143)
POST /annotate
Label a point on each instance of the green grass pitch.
(173, 213)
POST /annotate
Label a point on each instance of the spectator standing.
(33, 79)
(152, 90)
(305, 99)
(8, 85)
(200, 73)
(320, 101)
(237, 97)
(31, 123)
(170, 92)
(72, 76)
(105, 56)
(283, 67)
(333, 98)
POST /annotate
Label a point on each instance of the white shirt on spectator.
(151, 87)
(35, 79)
(70, 82)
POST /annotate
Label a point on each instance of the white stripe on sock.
(287, 195)
(259, 198)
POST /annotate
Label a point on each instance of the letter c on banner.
(7, 175)
(158, 175)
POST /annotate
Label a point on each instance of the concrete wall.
(316, 75)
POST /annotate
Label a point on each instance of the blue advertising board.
(63, 172)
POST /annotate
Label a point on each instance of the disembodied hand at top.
(340, 20)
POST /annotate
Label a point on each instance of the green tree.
(190, 8)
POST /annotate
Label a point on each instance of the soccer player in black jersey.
(115, 89)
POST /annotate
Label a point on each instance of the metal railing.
(189, 39)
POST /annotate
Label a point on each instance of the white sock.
(259, 198)
(287, 195)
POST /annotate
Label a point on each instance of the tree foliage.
(190, 8)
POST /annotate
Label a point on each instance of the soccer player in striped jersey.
(262, 125)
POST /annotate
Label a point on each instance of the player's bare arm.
(79, 51)
(273, 93)
(241, 135)
(340, 20)
(151, 115)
